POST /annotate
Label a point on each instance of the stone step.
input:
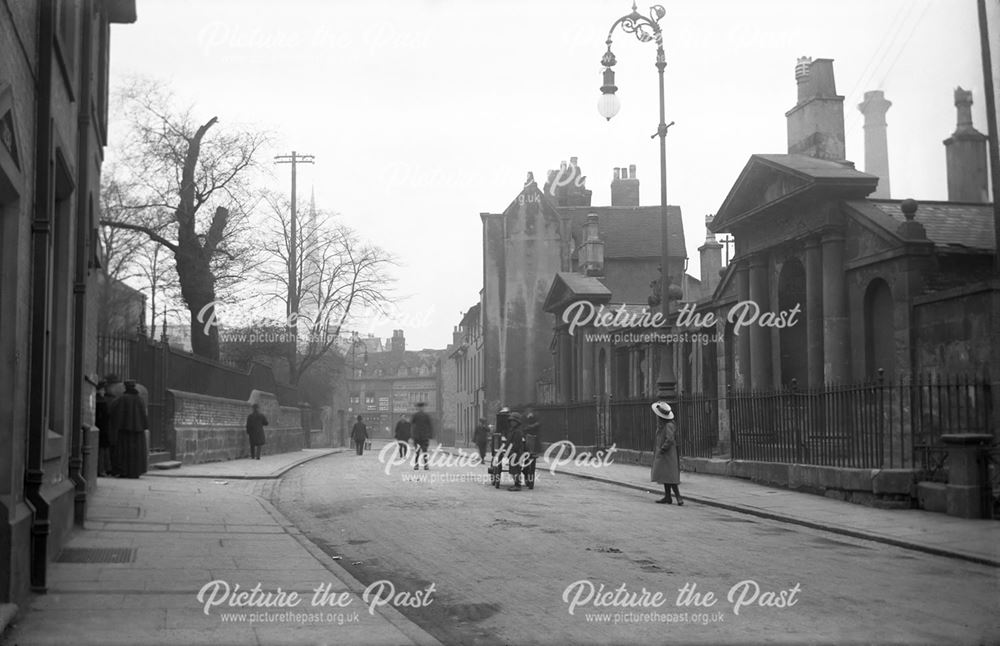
(166, 464)
(158, 456)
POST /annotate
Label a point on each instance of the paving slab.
(268, 467)
(154, 599)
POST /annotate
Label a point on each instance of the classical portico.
(785, 213)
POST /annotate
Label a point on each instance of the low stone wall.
(201, 428)
(885, 488)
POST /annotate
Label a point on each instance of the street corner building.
(53, 131)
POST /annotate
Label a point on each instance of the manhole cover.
(97, 555)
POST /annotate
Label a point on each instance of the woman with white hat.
(666, 463)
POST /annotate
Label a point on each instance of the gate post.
(969, 494)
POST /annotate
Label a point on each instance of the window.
(355, 399)
(59, 324)
(66, 40)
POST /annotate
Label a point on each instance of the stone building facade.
(53, 130)
(389, 383)
(467, 404)
(550, 247)
(879, 286)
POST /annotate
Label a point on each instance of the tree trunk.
(198, 290)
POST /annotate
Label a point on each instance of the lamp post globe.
(608, 105)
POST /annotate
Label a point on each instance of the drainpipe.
(41, 233)
(81, 449)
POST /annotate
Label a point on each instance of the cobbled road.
(527, 567)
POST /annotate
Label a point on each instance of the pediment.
(771, 180)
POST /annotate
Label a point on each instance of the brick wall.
(202, 428)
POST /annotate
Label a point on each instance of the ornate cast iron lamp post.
(646, 30)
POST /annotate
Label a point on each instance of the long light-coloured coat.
(666, 464)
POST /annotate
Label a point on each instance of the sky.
(424, 114)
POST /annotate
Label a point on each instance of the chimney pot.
(631, 171)
(616, 172)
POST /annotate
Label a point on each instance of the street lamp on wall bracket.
(647, 29)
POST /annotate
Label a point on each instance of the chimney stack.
(711, 260)
(965, 154)
(816, 123)
(625, 187)
(568, 185)
(874, 108)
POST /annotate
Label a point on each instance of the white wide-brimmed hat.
(662, 410)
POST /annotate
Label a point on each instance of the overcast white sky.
(421, 115)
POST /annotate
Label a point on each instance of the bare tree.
(190, 192)
(337, 275)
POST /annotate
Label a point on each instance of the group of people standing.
(418, 428)
(121, 418)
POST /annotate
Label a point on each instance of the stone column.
(836, 338)
(760, 337)
(814, 313)
(742, 356)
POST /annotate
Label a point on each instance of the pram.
(500, 454)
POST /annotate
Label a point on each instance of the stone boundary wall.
(202, 428)
(883, 488)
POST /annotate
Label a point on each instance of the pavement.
(977, 541)
(179, 530)
(196, 532)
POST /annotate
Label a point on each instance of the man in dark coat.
(516, 448)
(402, 435)
(359, 435)
(480, 436)
(423, 431)
(255, 429)
(129, 421)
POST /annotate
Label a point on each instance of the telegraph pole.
(293, 292)
(991, 128)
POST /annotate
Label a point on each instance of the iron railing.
(159, 367)
(879, 424)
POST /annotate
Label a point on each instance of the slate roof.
(583, 285)
(815, 168)
(390, 362)
(630, 231)
(949, 223)
(570, 286)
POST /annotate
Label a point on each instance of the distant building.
(391, 381)
(53, 130)
(465, 359)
